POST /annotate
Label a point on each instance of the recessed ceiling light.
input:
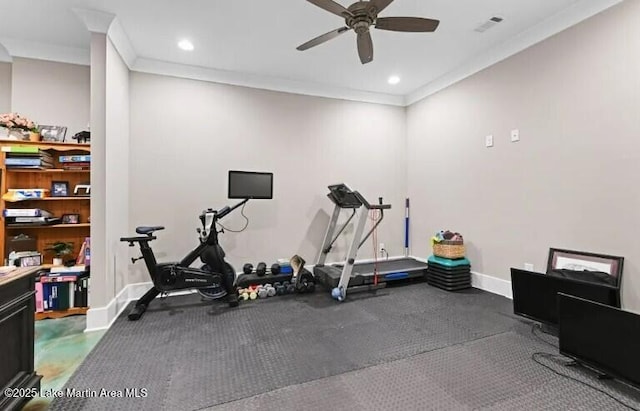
(394, 80)
(185, 45)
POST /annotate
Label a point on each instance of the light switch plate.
(515, 135)
(488, 141)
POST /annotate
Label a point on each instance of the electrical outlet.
(515, 135)
(382, 248)
(528, 266)
(488, 141)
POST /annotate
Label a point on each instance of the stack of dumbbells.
(302, 281)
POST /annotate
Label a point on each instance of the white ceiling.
(259, 37)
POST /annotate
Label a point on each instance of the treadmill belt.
(389, 266)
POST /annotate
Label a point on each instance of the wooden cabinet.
(17, 306)
(14, 178)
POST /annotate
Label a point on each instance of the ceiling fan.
(360, 16)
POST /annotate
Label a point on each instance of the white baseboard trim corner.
(491, 284)
(101, 318)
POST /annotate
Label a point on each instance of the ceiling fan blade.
(365, 47)
(321, 39)
(381, 4)
(332, 7)
(410, 24)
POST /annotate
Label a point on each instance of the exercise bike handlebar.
(227, 210)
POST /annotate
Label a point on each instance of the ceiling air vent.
(488, 24)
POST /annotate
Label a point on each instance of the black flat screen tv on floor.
(535, 295)
(601, 337)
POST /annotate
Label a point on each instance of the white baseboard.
(491, 284)
(102, 318)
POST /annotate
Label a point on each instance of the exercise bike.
(213, 280)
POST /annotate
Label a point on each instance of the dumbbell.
(280, 289)
(306, 287)
(261, 269)
(263, 292)
(289, 288)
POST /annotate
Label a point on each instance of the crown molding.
(562, 20)
(121, 42)
(101, 22)
(263, 82)
(95, 21)
(43, 51)
(5, 57)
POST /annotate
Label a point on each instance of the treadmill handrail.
(368, 206)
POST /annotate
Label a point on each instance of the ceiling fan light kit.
(360, 16)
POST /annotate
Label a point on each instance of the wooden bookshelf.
(24, 178)
(61, 313)
(42, 227)
(46, 145)
(50, 198)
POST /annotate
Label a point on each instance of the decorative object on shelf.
(70, 218)
(60, 249)
(82, 137)
(34, 136)
(80, 187)
(17, 127)
(53, 133)
(59, 189)
(20, 194)
(25, 258)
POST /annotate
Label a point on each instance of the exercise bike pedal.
(136, 312)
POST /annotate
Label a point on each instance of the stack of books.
(63, 288)
(75, 162)
(28, 216)
(27, 157)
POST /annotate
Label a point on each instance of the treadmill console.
(343, 196)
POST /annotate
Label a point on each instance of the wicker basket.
(449, 249)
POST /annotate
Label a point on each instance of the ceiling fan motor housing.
(364, 14)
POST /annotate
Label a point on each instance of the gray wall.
(186, 135)
(101, 289)
(51, 93)
(572, 180)
(117, 166)
(5, 87)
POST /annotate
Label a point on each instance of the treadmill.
(350, 275)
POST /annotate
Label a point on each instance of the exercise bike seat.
(148, 230)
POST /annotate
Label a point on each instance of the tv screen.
(600, 336)
(535, 294)
(250, 184)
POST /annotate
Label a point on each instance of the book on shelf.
(62, 292)
(76, 166)
(81, 158)
(32, 220)
(22, 149)
(39, 299)
(63, 269)
(20, 194)
(25, 162)
(25, 212)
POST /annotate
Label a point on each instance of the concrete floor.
(60, 346)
